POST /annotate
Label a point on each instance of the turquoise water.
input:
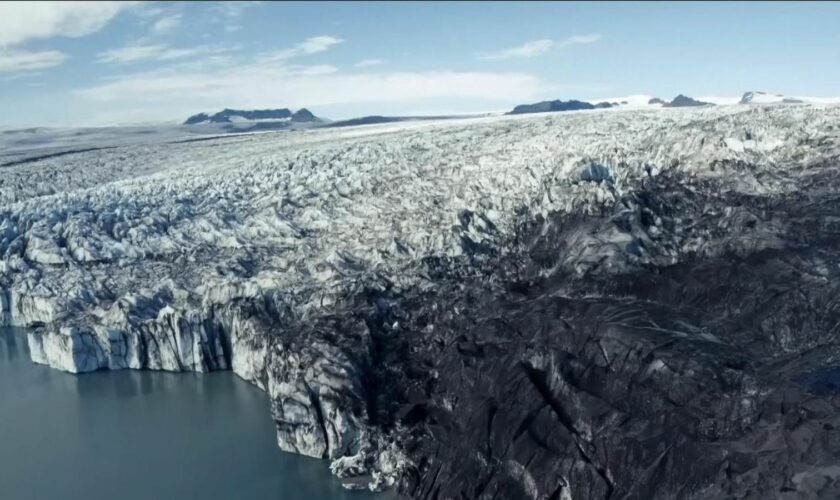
(143, 435)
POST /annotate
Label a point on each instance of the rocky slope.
(232, 115)
(758, 97)
(557, 105)
(238, 120)
(683, 101)
(633, 304)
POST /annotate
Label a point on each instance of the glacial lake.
(144, 435)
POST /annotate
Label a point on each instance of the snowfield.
(82, 231)
(239, 252)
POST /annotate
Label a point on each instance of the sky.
(107, 63)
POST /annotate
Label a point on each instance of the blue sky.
(104, 63)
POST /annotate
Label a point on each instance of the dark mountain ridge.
(228, 115)
(557, 105)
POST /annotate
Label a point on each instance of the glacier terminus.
(606, 303)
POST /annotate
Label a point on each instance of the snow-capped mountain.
(241, 120)
(758, 97)
(641, 101)
(558, 105)
(680, 101)
(763, 97)
(683, 101)
(232, 115)
(302, 115)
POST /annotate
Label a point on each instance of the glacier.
(633, 303)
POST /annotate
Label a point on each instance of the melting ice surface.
(140, 435)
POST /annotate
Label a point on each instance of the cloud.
(366, 63)
(230, 13)
(21, 22)
(579, 39)
(253, 85)
(318, 69)
(166, 24)
(529, 49)
(234, 9)
(148, 10)
(11, 77)
(17, 61)
(276, 78)
(317, 44)
(536, 48)
(309, 46)
(135, 53)
(24, 21)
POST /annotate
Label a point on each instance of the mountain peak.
(759, 97)
(557, 105)
(304, 115)
(682, 101)
(229, 115)
(249, 120)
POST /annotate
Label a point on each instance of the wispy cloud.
(11, 77)
(367, 63)
(148, 10)
(17, 61)
(166, 24)
(313, 70)
(526, 50)
(24, 21)
(135, 53)
(316, 44)
(536, 48)
(579, 39)
(21, 22)
(254, 85)
(215, 81)
(230, 13)
(309, 46)
(234, 9)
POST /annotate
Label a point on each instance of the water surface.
(142, 435)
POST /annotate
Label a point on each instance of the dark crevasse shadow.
(607, 356)
(10, 348)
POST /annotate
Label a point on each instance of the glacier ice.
(256, 252)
